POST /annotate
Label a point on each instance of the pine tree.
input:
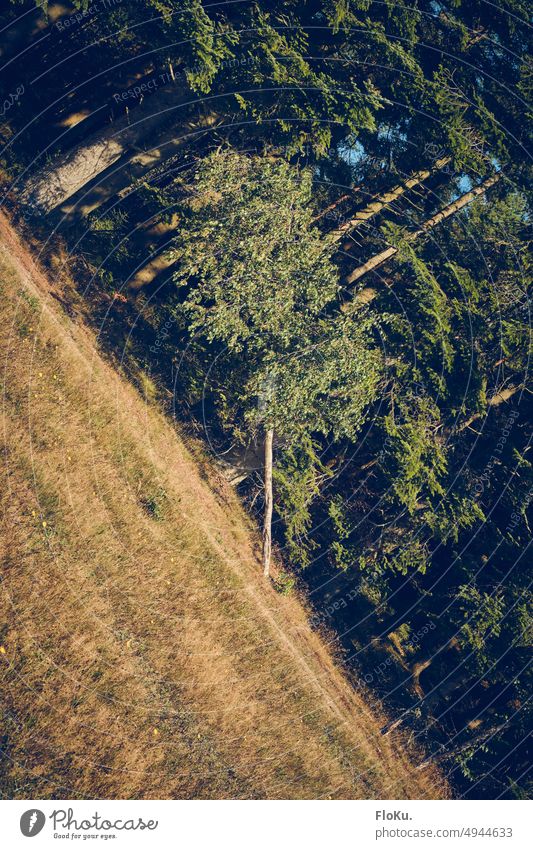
(261, 284)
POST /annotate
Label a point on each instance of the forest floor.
(142, 655)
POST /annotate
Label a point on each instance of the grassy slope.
(141, 653)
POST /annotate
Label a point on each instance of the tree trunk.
(446, 212)
(267, 524)
(380, 201)
(416, 671)
(499, 398)
(55, 183)
(369, 265)
(332, 206)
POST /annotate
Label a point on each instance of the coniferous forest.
(306, 226)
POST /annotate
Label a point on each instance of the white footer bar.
(267, 825)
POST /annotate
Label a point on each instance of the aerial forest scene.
(267, 479)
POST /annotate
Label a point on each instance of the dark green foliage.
(298, 477)
(260, 280)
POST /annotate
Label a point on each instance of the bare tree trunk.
(380, 201)
(55, 183)
(499, 398)
(446, 212)
(416, 671)
(267, 523)
(369, 265)
(131, 167)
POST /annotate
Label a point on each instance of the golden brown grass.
(142, 655)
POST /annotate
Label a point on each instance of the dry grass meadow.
(141, 653)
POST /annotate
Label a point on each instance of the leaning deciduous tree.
(262, 291)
